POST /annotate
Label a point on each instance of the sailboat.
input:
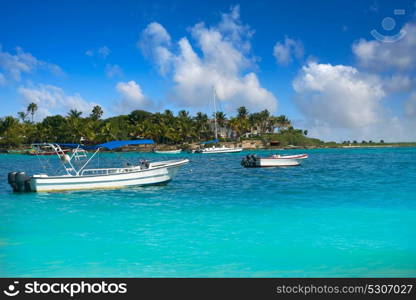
(214, 149)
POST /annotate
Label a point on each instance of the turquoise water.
(344, 212)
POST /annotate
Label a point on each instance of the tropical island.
(258, 130)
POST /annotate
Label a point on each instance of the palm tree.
(96, 113)
(201, 119)
(107, 132)
(168, 113)
(221, 118)
(240, 126)
(183, 114)
(73, 113)
(242, 112)
(22, 116)
(282, 122)
(264, 120)
(32, 108)
(186, 131)
(201, 124)
(75, 128)
(254, 121)
(185, 126)
(172, 135)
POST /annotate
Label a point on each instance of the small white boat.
(252, 161)
(81, 178)
(223, 149)
(168, 151)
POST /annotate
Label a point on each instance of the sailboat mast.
(215, 114)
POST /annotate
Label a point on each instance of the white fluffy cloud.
(53, 100)
(222, 60)
(378, 55)
(286, 51)
(338, 95)
(154, 44)
(341, 103)
(397, 61)
(132, 97)
(14, 65)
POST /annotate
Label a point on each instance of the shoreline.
(145, 149)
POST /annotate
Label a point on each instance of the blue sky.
(315, 61)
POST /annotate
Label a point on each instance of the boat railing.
(109, 171)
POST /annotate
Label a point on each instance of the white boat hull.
(220, 150)
(252, 161)
(157, 173)
(168, 152)
(271, 162)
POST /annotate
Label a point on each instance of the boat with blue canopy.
(78, 177)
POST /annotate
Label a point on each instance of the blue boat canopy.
(210, 142)
(109, 145)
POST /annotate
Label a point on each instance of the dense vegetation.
(165, 127)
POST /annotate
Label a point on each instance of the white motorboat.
(252, 161)
(81, 178)
(214, 149)
(168, 151)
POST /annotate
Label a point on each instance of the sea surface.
(344, 212)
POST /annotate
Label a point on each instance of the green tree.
(264, 121)
(242, 112)
(282, 122)
(201, 122)
(168, 114)
(10, 132)
(221, 118)
(96, 113)
(240, 126)
(53, 129)
(73, 113)
(32, 108)
(107, 132)
(137, 116)
(22, 116)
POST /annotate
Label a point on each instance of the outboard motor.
(11, 178)
(19, 181)
(250, 161)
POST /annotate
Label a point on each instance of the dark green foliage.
(163, 128)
